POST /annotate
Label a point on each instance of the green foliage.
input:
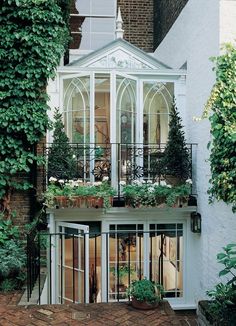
(122, 272)
(12, 256)
(61, 159)
(224, 295)
(228, 259)
(8, 231)
(33, 35)
(152, 195)
(176, 160)
(145, 290)
(222, 103)
(71, 188)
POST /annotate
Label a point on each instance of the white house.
(112, 95)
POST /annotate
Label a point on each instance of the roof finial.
(119, 31)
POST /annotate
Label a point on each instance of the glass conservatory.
(115, 101)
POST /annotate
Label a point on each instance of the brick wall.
(137, 16)
(75, 24)
(165, 14)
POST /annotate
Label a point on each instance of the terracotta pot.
(143, 305)
(61, 201)
(181, 202)
(94, 202)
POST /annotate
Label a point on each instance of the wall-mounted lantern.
(196, 222)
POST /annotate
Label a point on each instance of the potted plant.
(176, 161)
(145, 294)
(77, 194)
(158, 194)
(61, 156)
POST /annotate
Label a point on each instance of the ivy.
(222, 103)
(33, 38)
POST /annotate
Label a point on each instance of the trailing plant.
(145, 290)
(33, 36)
(222, 106)
(61, 159)
(224, 295)
(176, 159)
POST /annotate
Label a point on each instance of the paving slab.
(94, 314)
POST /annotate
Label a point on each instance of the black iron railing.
(118, 162)
(75, 270)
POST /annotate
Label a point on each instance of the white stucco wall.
(196, 35)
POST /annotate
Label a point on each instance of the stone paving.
(108, 314)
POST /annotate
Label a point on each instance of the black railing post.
(107, 266)
(39, 262)
(118, 267)
(140, 254)
(50, 269)
(85, 272)
(28, 269)
(150, 265)
(95, 264)
(129, 265)
(73, 266)
(61, 261)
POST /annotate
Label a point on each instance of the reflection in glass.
(125, 259)
(77, 109)
(158, 98)
(166, 257)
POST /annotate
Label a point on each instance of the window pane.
(77, 109)
(158, 98)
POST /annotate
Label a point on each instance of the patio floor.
(110, 314)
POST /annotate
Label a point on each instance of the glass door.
(72, 264)
(126, 258)
(166, 257)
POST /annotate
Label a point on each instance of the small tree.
(61, 160)
(176, 160)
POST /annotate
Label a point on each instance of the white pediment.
(120, 59)
(119, 54)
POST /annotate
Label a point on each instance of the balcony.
(118, 164)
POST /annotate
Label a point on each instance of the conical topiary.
(176, 160)
(61, 161)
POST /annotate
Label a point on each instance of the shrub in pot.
(145, 294)
(176, 161)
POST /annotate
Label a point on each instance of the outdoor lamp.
(196, 222)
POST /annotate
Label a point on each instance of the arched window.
(158, 98)
(126, 110)
(77, 109)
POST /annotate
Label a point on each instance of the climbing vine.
(33, 36)
(222, 103)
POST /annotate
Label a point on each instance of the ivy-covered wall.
(33, 38)
(222, 109)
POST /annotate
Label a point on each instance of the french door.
(72, 263)
(99, 267)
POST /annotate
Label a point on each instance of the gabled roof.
(119, 54)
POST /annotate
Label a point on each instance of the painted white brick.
(197, 35)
